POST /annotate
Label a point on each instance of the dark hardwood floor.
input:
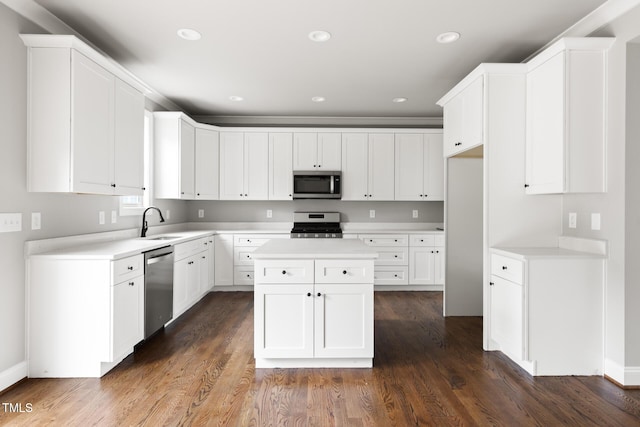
(427, 371)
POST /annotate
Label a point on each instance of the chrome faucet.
(145, 227)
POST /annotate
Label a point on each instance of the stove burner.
(316, 225)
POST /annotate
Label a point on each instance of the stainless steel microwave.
(317, 185)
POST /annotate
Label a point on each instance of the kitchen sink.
(164, 238)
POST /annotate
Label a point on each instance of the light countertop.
(543, 252)
(314, 249)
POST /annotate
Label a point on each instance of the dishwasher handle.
(159, 258)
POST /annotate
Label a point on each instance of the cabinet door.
(284, 321)
(507, 316)
(343, 325)
(473, 114)
(92, 126)
(409, 169)
(128, 316)
(231, 166)
(329, 151)
(421, 265)
(452, 125)
(434, 167)
(381, 175)
(202, 286)
(187, 160)
(438, 265)
(212, 262)
(223, 260)
(355, 166)
(207, 159)
(186, 274)
(545, 148)
(129, 140)
(305, 151)
(256, 166)
(280, 166)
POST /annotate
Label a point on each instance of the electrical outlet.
(414, 214)
(167, 215)
(101, 218)
(10, 222)
(200, 213)
(573, 220)
(36, 221)
(269, 213)
(114, 217)
(595, 221)
(372, 213)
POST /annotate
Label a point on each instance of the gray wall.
(62, 214)
(256, 211)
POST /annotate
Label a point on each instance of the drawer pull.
(308, 294)
(344, 271)
(284, 271)
(319, 294)
(395, 256)
(248, 276)
(504, 267)
(130, 268)
(131, 283)
(490, 283)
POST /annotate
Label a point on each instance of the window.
(134, 205)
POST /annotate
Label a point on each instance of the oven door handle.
(159, 258)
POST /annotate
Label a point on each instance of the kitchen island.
(313, 303)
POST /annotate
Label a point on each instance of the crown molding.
(319, 121)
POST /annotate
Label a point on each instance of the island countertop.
(315, 249)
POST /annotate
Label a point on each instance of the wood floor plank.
(428, 370)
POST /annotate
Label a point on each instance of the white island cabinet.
(313, 303)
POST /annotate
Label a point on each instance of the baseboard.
(623, 376)
(12, 375)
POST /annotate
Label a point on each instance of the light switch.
(595, 221)
(414, 214)
(372, 213)
(269, 213)
(200, 213)
(10, 222)
(36, 221)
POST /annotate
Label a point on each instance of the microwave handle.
(332, 185)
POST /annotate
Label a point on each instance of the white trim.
(293, 121)
(624, 375)
(10, 376)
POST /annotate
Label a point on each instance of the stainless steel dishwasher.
(158, 289)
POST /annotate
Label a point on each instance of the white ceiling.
(259, 49)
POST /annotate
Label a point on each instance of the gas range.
(316, 225)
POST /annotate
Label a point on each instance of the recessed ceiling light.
(189, 34)
(448, 37)
(236, 98)
(318, 99)
(399, 100)
(319, 36)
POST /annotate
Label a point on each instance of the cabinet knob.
(458, 144)
(504, 267)
(526, 186)
(113, 185)
(131, 283)
(395, 256)
(319, 166)
(248, 276)
(395, 275)
(371, 240)
(190, 262)
(197, 194)
(395, 240)
(308, 294)
(422, 240)
(315, 166)
(130, 268)
(490, 283)
(369, 195)
(284, 271)
(344, 271)
(432, 252)
(204, 257)
(319, 294)
(144, 188)
(245, 195)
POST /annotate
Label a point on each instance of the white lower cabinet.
(190, 274)
(392, 265)
(84, 315)
(300, 321)
(546, 310)
(426, 259)
(243, 246)
(223, 260)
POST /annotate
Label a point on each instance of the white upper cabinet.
(174, 153)
(463, 119)
(419, 167)
(244, 166)
(317, 151)
(85, 122)
(281, 166)
(566, 118)
(207, 147)
(367, 166)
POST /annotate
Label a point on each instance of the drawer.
(439, 238)
(242, 255)
(255, 240)
(192, 247)
(128, 268)
(344, 271)
(422, 240)
(385, 239)
(508, 268)
(276, 271)
(392, 256)
(386, 275)
(243, 276)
